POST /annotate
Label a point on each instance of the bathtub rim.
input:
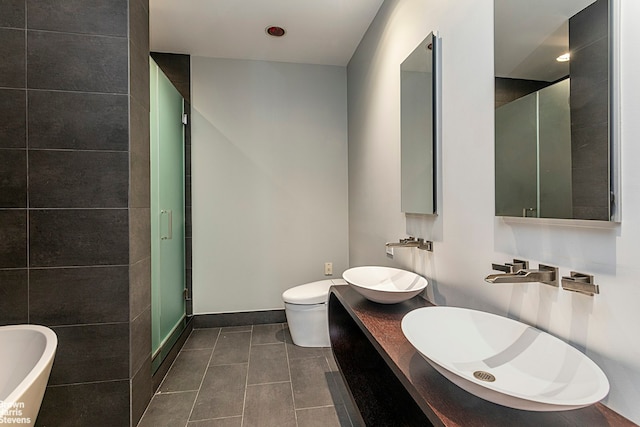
(42, 366)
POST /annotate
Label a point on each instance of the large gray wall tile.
(12, 66)
(140, 348)
(80, 408)
(13, 238)
(139, 23)
(77, 62)
(14, 297)
(78, 121)
(78, 237)
(13, 13)
(140, 157)
(139, 73)
(71, 296)
(89, 353)
(13, 179)
(141, 391)
(106, 17)
(589, 25)
(139, 234)
(13, 118)
(84, 179)
(139, 287)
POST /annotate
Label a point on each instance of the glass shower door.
(167, 213)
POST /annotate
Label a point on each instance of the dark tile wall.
(589, 67)
(140, 384)
(508, 90)
(74, 199)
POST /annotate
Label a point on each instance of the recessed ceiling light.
(564, 57)
(275, 31)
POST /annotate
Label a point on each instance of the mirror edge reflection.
(615, 151)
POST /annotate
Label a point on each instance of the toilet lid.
(310, 293)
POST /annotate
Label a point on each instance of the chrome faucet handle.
(408, 239)
(514, 267)
(581, 283)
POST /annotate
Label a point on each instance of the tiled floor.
(249, 376)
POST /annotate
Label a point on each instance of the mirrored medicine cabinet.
(419, 79)
(554, 150)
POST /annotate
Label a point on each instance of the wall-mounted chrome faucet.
(581, 283)
(412, 242)
(518, 272)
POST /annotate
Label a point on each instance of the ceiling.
(318, 32)
(528, 39)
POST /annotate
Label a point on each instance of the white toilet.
(306, 310)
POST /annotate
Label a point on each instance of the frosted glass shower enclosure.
(533, 155)
(168, 315)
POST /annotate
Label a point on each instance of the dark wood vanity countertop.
(444, 403)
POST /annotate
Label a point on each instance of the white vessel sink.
(504, 361)
(384, 285)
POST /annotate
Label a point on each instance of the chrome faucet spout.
(545, 274)
(412, 242)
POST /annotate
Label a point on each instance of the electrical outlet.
(328, 268)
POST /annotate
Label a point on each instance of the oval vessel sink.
(384, 285)
(504, 361)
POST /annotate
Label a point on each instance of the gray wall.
(269, 170)
(467, 235)
(74, 199)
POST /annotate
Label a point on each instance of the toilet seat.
(310, 293)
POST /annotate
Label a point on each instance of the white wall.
(269, 172)
(468, 238)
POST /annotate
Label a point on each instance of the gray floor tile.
(296, 352)
(271, 364)
(268, 364)
(269, 405)
(311, 380)
(168, 410)
(187, 371)
(318, 417)
(201, 338)
(246, 328)
(232, 347)
(222, 392)
(267, 334)
(217, 422)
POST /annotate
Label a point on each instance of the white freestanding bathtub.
(26, 357)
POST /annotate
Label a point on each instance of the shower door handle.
(169, 214)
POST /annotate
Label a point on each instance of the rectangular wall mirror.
(553, 144)
(418, 127)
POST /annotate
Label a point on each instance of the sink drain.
(484, 376)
